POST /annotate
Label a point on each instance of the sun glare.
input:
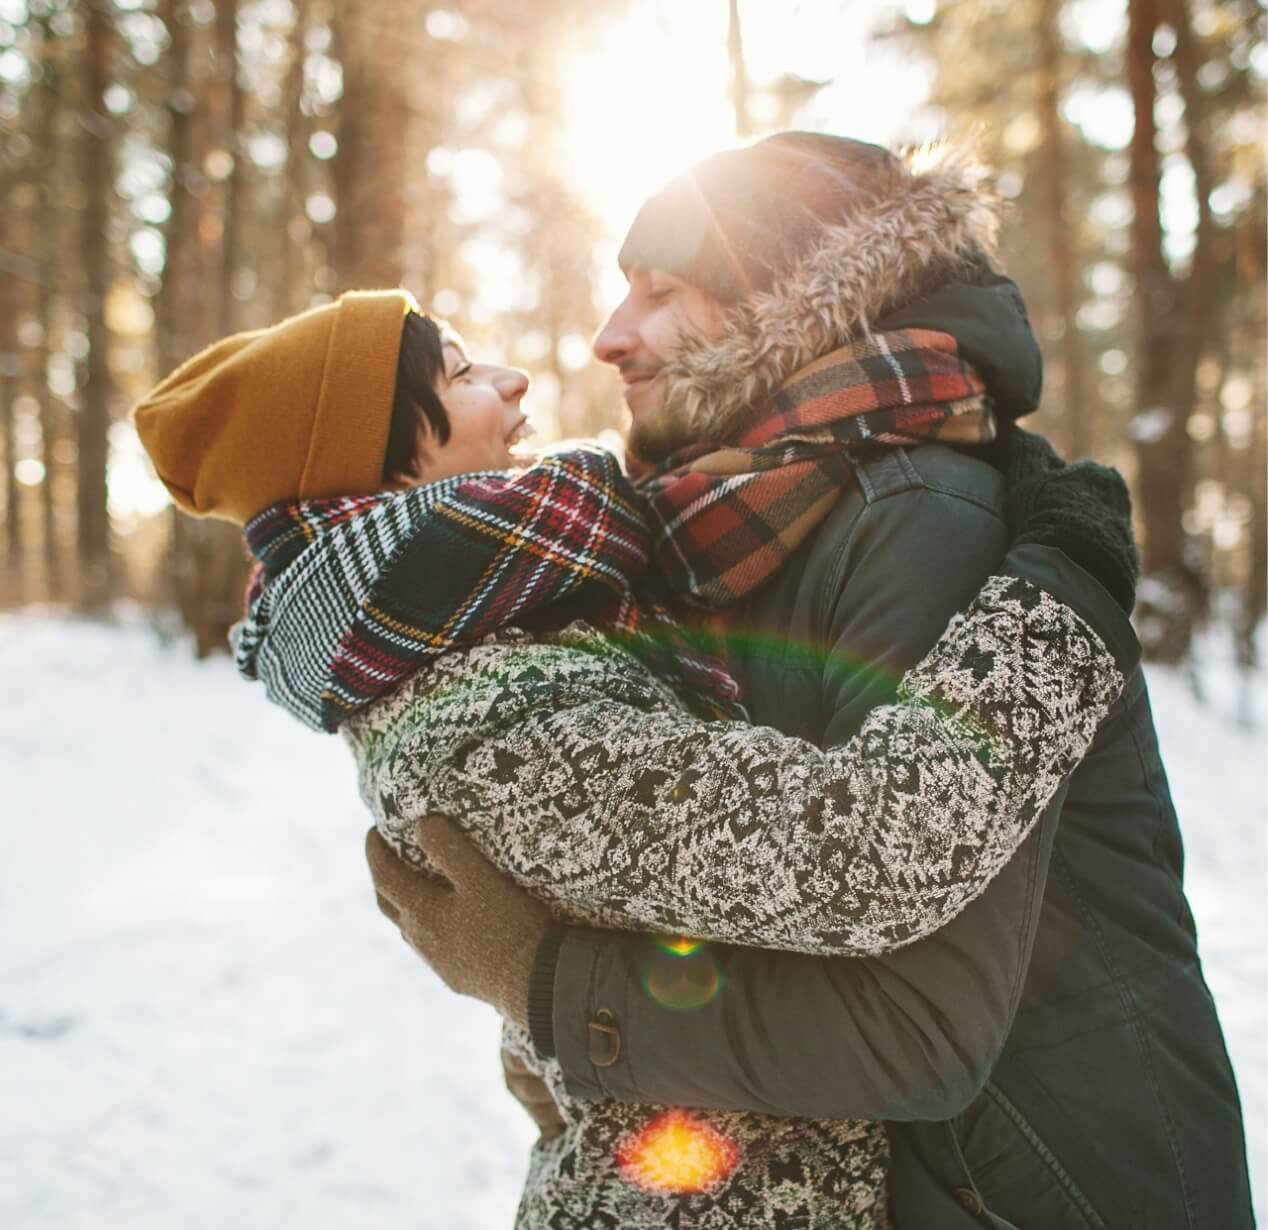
(645, 97)
(677, 1154)
(647, 94)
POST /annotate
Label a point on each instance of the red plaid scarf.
(352, 594)
(726, 518)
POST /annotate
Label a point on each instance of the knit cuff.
(541, 990)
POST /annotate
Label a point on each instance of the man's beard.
(655, 434)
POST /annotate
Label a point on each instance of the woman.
(491, 643)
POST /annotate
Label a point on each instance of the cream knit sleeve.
(579, 774)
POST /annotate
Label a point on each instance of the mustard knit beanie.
(296, 411)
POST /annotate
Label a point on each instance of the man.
(1050, 1058)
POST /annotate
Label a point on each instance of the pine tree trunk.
(1199, 291)
(1173, 597)
(1255, 595)
(10, 374)
(294, 230)
(230, 112)
(12, 498)
(1062, 255)
(175, 318)
(51, 420)
(373, 40)
(94, 404)
(212, 553)
(179, 312)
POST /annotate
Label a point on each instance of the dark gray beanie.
(736, 221)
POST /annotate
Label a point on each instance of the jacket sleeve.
(908, 1034)
(724, 831)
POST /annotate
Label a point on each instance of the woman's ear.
(414, 474)
(424, 444)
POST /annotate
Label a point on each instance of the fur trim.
(941, 217)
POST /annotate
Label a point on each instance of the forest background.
(175, 170)
(198, 991)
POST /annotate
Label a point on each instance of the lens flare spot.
(677, 1154)
(682, 983)
(681, 945)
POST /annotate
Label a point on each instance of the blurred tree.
(179, 315)
(1063, 259)
(95, 573)
(1002, 77)
(9, 369)
(15, 190)
(740, 89)
(293, 227)
(47, 152)
(552, 232)
(380, 44)
(178, 325)
(210, 558)
(1139, 295)
(1176, 594)
(778, 101)
(228, 111)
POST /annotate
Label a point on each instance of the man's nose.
(615, 338)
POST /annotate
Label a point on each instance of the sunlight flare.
(677, 1154)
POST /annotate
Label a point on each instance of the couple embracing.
(805, 816)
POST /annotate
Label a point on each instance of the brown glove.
(532, 1093)
(479, 932)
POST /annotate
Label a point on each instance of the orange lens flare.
(677, 1154)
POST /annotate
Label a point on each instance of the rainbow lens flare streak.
(677, 1154)
(681, 945)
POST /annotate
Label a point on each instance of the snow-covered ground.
(198, 999)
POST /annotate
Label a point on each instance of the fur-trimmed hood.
(938, 227)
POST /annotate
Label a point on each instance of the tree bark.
(1160, 428)
(15, 214)
(1255, 595)
(230, 115)
(51, 418)
(1199, 291)
(12, 500)
(94, 402)
(292, 294)
(176, 317)
(372, 41)
(1063, 256)
(213, 560)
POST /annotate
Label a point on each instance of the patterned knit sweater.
(587, 779)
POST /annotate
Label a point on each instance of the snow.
(204, 1022)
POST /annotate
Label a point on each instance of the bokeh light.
(677, 1154)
